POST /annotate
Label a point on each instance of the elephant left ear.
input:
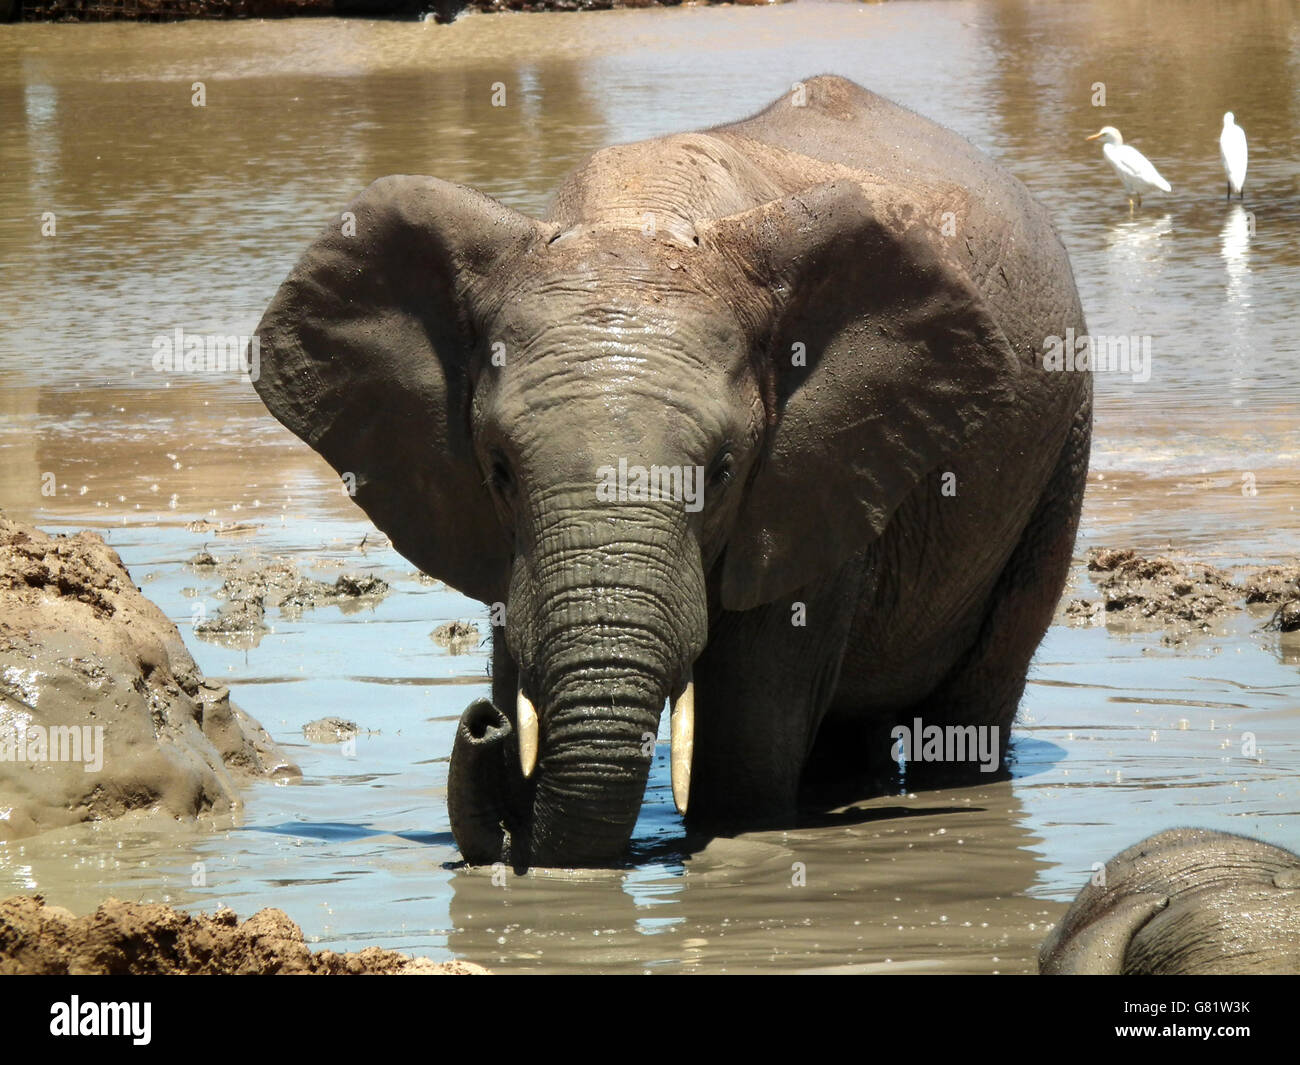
(885, 362)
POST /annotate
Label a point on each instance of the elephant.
(1187, 901)
(754, 422)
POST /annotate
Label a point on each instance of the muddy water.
(169, 215)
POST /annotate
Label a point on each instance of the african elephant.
(756, 420)
(1187, 901)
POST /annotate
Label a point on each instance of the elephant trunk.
(604, 633)
(483, 764)
(599, 745)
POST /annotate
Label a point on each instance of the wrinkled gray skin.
(653, 316)
(1184, 902)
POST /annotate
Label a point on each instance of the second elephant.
(756, 420)
(1185, 902)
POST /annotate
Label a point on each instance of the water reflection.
(1138, 248)
(1139, 240)
(884, 891)
(1234, 248)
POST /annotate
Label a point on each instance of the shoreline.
(442, 11)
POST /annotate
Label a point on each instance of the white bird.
(1134, 168)
(1232, 150)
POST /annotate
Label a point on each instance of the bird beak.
(1094, 136)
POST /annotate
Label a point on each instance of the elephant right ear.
(365, 354)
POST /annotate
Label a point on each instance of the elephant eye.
(722, 469)
(500, 476)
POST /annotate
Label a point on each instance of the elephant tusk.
(526, 724)
(683, 741)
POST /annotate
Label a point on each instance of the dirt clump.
(245, 617)
(125, 938)
(457, 636)
(1273, 584)
(251, 587)
(1287, 617)
(1184, 598)
(1149, 593)
(331, 730)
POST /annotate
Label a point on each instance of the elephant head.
(486, 379)
(1186, 901)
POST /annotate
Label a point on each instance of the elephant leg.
(986, 684)
(762, 686)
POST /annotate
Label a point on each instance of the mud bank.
(102, 709)
(174, 10)
(123, 938)
(1146, 594)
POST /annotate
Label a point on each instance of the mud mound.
(102, 709)
(1274, 584)
(331, 730)
(1286, 618)
(1151, 593)
(250, 587)
(124, 938)
(459, 637)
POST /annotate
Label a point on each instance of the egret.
(1232, 150)
(1134, 168)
